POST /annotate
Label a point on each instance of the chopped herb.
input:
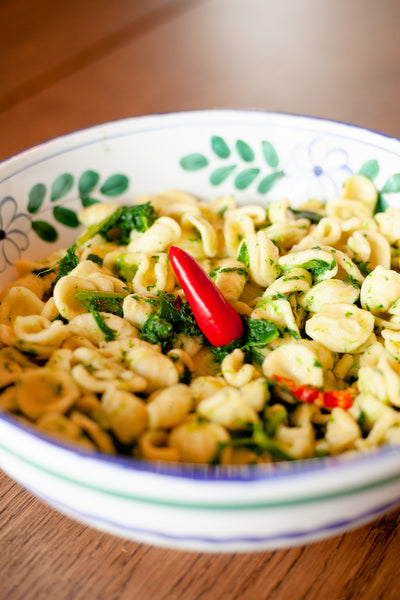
(244, 255)
(238, 270)
(364, 268)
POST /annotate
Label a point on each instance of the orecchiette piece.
(297, 361)
(342, 431)
(296, 280)
(263, 258)
(39, 391)
(198, 442)
(152, 445)
(380, 289)
(64, 292)
(227, 408)
(127, 414)
(170, 406)
(361, 188)
(330, 291)
(235, 372)
(206, 231)
(19, 301)
(158, 370)
(319, 262)
(137, 309)
(340, 327)
(164, 232)
(370, 248)
(230, 278)
(61, 427)
(95, 213)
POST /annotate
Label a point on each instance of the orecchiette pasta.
(99, 346)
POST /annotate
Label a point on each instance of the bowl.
(256, 156)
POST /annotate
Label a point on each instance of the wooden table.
(67, 65)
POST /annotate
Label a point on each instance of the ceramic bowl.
(256, 156)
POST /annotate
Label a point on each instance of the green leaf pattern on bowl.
(90, 190)
(244, 175)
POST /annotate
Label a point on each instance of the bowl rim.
(70, 135)
(231, 473)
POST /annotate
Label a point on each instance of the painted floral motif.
(319, 170)
(14, 229)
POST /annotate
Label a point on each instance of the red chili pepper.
(311, 395)
(219, 322)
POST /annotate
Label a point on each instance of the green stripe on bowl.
(209, 506)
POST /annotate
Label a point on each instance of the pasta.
(99, 347)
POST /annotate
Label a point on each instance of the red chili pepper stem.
(216, 318)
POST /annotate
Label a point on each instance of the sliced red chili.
(312, 395)
(217, 319)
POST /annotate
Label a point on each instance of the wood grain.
(67, 65)
(46, 555)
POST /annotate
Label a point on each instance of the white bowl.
(216, 509)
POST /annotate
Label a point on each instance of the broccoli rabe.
(169, 310)
(98, 302)
(118, 226)
(257, 334)
(110, 302)
(254, 439)
(124, 268)
(307, 214)
(317, 266)
(158, 331)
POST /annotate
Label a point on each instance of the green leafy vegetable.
(257, 334)
(158, 331)
(307, 214)
(106, 302)
(109, 334)
(94, 300)
(126, 219)
(67, 263)
(95, 258)
(317, 266)
(124, 268)
(170, 311)
(256, 440)
(118, 226)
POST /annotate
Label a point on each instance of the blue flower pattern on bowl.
(14, 229)
(319, 169)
